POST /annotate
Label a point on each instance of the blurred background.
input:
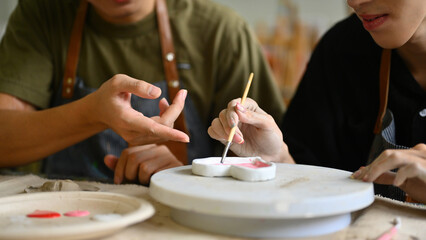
(287, 30)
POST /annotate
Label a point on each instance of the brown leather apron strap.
(170, 70)
(74, 51)
(385, 63)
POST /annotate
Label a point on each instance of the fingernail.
(239, 139)
(240, 108)
(154, 91)
(117, 180)
(356, 174)
(184, 93)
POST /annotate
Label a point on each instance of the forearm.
(32, 135)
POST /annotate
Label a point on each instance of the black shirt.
(331, 118)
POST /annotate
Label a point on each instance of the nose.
(357, 3)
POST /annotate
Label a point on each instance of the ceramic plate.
(109, 212)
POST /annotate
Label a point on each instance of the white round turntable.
(301, 201)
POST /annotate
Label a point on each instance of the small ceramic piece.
(60, 186)
(246, 169)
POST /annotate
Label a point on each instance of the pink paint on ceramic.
(254, 164)
(77, 213)
(43, 214)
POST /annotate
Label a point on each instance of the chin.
(389, 42)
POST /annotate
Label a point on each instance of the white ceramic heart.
(251, 169)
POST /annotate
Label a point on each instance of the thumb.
(111, 161)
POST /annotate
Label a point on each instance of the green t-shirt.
(215, 50)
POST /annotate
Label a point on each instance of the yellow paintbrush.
(232, 133)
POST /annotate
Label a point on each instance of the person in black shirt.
(338, 118)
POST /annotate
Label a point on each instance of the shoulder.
(43, 15)
(45, 20)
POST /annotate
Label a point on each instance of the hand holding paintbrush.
(232, 133)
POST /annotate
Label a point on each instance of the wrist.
(87, 111)
(284, 155)
(281, 156)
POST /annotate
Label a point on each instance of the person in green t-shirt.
(97, 133)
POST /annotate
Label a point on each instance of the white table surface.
(367, 223)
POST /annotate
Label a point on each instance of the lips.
(372, 22)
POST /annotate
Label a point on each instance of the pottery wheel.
(316, 199)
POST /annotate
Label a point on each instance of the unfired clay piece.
(60, 186)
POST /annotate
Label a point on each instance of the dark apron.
(384, 129)
(85, 159)
(382, 141)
